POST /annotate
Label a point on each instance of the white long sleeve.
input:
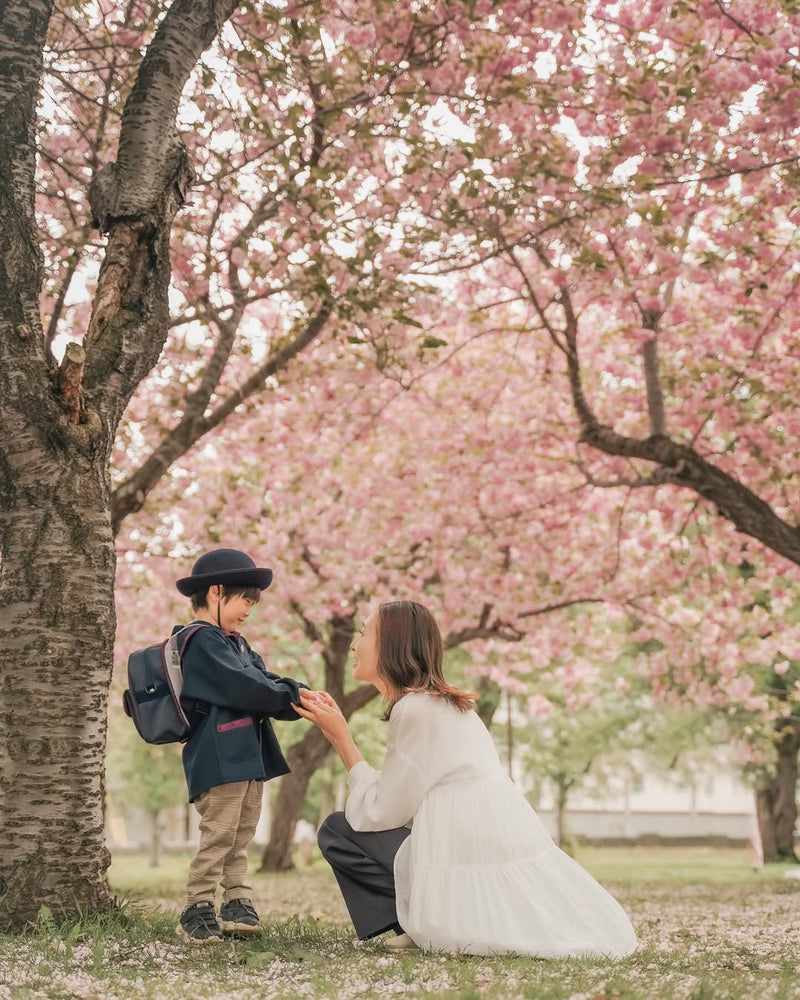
(383, 800)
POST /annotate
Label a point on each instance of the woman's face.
(365, 648)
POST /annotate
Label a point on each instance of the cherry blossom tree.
(294, 231)
(636, 210)
(638, 205)
(620, 178)
(422, 481)
(771, 748)
(727, 646)
(56, 541)
(358, 489)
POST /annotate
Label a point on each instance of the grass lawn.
(710, 929)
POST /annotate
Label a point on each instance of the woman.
(440, 846)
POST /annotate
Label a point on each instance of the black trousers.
(363, 865)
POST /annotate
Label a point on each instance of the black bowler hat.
(229, 567)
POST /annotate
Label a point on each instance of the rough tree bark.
(776, 803)
(56, 544)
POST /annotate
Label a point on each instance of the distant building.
(713, 805)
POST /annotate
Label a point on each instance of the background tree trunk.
(489, 695)
(304, 758)
(562, 834)
(327, 803)
(156, 831)
(776, 803)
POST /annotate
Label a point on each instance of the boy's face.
(233, 611)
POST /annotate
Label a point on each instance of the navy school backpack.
(155, 682)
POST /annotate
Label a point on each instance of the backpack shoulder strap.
(196, 709)
(186, 634)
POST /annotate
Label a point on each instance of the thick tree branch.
(23, 29)
(655, 396)
(149, 147)
(341, 630)
(135, 201)
(650, 321)
(310, 628)
(69, 379)
(677, 464)
(351, 702)
(499, 629)
(61, 298)
(681, 466)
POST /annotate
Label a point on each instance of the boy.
(230, 696)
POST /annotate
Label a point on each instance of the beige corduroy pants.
(228, 818)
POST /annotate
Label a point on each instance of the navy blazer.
(230, 697)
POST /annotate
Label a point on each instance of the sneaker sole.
(181, 931)
(246, 930)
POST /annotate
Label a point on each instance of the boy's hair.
(200, 597)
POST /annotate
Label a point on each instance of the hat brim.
(260, 578)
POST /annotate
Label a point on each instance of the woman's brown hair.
(411, 653)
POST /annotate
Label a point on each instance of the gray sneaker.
(239, 917)
(199, 925)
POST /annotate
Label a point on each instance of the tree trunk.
(304, 758)
(327, 803)
(156, 826)
(776, 803)
(56, 547)
(55, 667)
(489, 695)
(562, 836)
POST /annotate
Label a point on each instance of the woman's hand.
(321, 709)
(320, 698)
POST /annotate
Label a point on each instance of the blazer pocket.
(236, 740)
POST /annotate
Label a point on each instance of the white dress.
(478, 873)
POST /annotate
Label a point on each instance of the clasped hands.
(320, 708)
